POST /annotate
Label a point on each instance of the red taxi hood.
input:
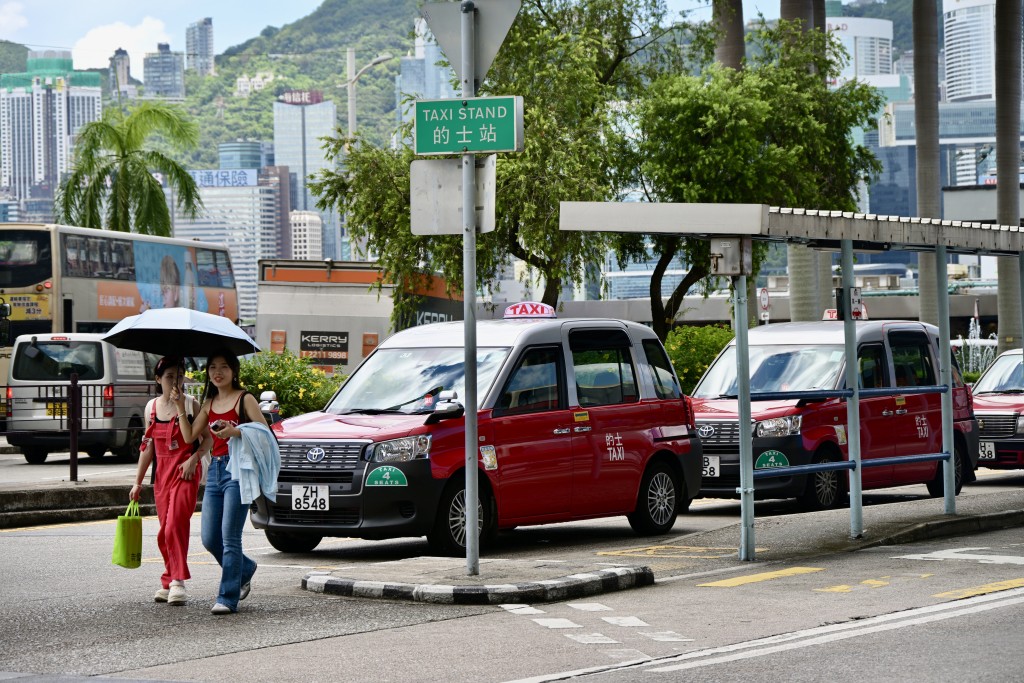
(328, 426)
(1004, 403)
(725, 409)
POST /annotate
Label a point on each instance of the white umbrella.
(180, 332)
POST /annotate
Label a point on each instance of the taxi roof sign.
(529, 309)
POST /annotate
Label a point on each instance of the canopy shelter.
(825, 230)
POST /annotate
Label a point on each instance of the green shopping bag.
(128, 538)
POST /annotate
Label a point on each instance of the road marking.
(628, 622)
(521, 609)
(589, 606)
(558, 623)
(677, 551)
(756, 578)
(869, 583)
(965, 554)
(665, 636)
(981, 590)
(592, 638)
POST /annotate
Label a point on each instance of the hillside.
(308, 54)
(900, 13)
(13, 57)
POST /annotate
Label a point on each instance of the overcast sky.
(93, 30)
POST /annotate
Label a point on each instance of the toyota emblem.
(315, 454)
(706, 431)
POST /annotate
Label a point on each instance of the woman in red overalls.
(169, 436)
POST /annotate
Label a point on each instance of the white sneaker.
(220, 608)
(161, 595)
(176, 595)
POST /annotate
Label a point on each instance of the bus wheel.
(34, 456)
(133, 442)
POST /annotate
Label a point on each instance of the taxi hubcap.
(661, 498)
(457, 518)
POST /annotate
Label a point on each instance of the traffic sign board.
(764, 298)
(493, 20)
(469, 125)
(435, 204)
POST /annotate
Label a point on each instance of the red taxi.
(999, 406)
(808, 356)
(577, 419)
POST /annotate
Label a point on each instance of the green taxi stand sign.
(468, 125)
(770, 459)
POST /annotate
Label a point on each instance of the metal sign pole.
(946, 378)
(746, 489)
(469, 298)
(853, 403)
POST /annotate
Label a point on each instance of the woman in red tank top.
(170, 437)
(224, 514)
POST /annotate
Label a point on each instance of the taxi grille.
(995, 426)
(341, 460)
(719, 437)
(334, 516)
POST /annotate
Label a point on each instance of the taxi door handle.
(580, 430)
(901, 411)
(561, 431)
(887, 413)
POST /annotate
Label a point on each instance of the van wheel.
(937, 486)
(823, 489)
(34, 456)
(293, 542)
(130, 450)
(96, 452)
(448, 537)
(657, 503)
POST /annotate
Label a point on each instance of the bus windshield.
(25, 258)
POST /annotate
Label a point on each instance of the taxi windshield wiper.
(728, 396)
(369, 411)
(1000, 391)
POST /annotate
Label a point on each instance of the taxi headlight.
(1020, 424)
(779, 426)
(400, 450)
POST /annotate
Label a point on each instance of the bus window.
(24, 258)
(214, 269)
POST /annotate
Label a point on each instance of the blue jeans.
(222, 521)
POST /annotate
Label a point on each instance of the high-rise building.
(241, 208)
(868, 41)
(164, 73)
(421, 76)
(969, 30)
(306, 228)
(301, 119)
(246, 154)
(121, 75)
(41, 111)
(199, 53)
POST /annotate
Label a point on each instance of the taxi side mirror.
(446, 408)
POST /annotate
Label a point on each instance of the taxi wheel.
(96, 452)
(937, 486)
(657, 504)
(293, 543)
(34, 456)
(823, 489)
(448, 537)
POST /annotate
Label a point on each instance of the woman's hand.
(135, 493)
(224, 430)
(187, 469)
(178, 399)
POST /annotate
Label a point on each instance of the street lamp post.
(353, 76)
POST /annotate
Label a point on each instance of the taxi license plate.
(711, 468)
(987, 450)
(56, 409)
(306, 497)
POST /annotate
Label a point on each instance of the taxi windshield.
(409, 381)
(775, 368)
(1005, 376)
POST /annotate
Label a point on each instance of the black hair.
(163, 365)
(210, 391)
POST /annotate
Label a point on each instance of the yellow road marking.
(880, 582)
(981, 590)
(764, 576)
(687, 551)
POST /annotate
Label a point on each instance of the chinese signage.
(324, 348)
(245, 177)
(476, 124)
(29, 306)
(302, 97)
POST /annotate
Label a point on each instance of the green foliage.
(111, 184)
(13, 57)
(300, 388)
(691, 350)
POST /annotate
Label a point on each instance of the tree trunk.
(802, 263)
(1008, 93)
(728, 18)
(926, 120)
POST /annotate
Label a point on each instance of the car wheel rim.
(457, 518)
(661, 498)
(826, 485)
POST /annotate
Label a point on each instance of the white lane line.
(625, 621)
(665, 636)
(592, 638)
(589, 606)
(557, 623)
(521, 609)
(964, 554)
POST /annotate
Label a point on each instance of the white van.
(116, 385)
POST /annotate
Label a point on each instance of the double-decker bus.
(57, 278)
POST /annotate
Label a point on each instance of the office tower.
(301, 119)
(420, 75)
(121, 75)
(199, 53)
(246, 154)
(868, 41)
(306, 229)
(41, 111)
(969, 27)
(164, 73)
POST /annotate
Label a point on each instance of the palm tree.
(730, 46)
(926, 121)
(112, 183)
(1008, 93)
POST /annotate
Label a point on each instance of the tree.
(112, 183)
(773, 133)
(573, 63)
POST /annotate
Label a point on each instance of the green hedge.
(691, 350)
